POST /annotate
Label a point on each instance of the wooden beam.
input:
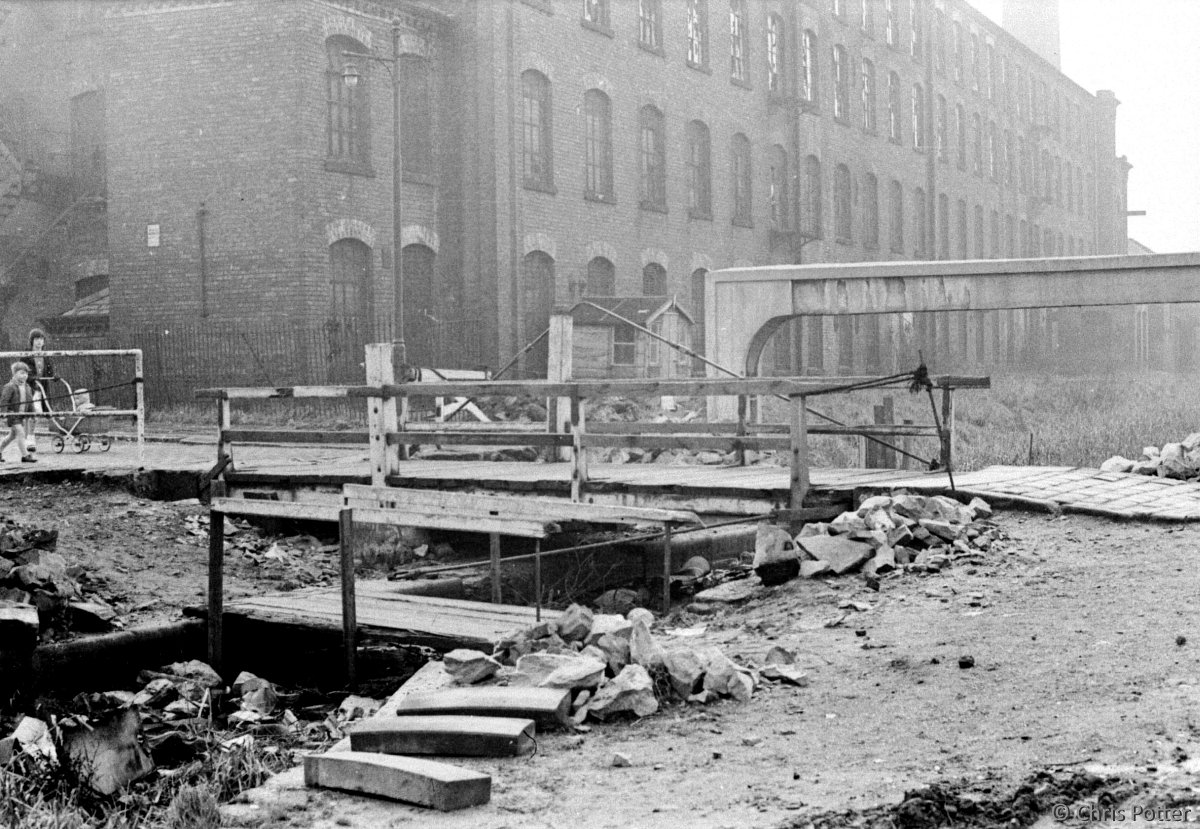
(477, 438)
(293, 510)
(364, 513)
(355, 437)
(216, 579)
(799, 458)
(382, 413)
(407, 779)
(494, 563)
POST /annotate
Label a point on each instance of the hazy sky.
(1145, 51)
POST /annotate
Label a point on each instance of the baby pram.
(64, 407)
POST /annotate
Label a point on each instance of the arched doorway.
(537, 299)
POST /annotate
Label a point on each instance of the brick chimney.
(1035, 23)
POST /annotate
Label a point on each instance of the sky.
(1145, 51)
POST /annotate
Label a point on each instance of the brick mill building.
(202, 167)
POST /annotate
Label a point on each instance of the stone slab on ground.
(409, 779)
(841, 554)
(447, 735)
(548, 707)
(730, 591)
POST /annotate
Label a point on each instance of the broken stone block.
(641, 614)
(257, 694)
(91, 617)
(812, 569)
(196, 670)
(18, 628)
(355, 707)
(579, 672)
(885, 560)
(981, 508)
(741, 688)
(815, 528)
(33, 736)
(942, 529)
(156, 693)
(876, 538)
(181, 709)
(643, 650)
(685, 669)
(616, 651)
(575, 623)
(621, 761)
(1117, 464)
(904, 555)
(702, 697)
(910, 506)
(785, 673)
(409, 779)
(619, 601)
(772, 544)
(538, 666)
(847, 522)
(605, 624)
(631, 690)
(841, 554)
(879, 520)
(468, 666)
(874, 503)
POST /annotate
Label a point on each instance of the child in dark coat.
(16, 398)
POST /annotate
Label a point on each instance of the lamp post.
(350, 76)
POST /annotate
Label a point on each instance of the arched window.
(699, 171)
(960, 126)
(776, 55)
(777, 197)
(742, 178)
(653, 159)
(894, 108)
(416, 124)
(896, 217)
(350, 279)
(654, 280)
(808, 65)
(843, 213)
(871, 211)
(597, 146)
(347, 110)
(739, 41)
(994, 248)
(918, 117)
(536, 131)
(601, 278)
(921, 224)
(841, 83)
(537, 299)
(977, 143)
(980, 239)
(420, 305)
(964, 250)
(991, 151)
(943, 130)
(868, 95)
(811, 201)
(697, 33)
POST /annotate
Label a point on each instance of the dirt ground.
(1085, 635)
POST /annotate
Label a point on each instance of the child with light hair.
(16, 398)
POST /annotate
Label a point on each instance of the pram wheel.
(81, 443)
(57, 444)
(105, 443)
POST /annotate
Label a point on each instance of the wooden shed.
(605, 346)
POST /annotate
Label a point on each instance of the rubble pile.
(610, 663)
(888, 532)
(289, 561)
(40, 594)
(1172, 460)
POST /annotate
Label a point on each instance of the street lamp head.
(350, 75)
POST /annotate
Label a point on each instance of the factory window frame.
(896, 209)
(597, 142)
(739, 43)
(537, 131)
(868, 96)
(347, 108)
(699, 170)
(777, 195)
(650, 25)
(808, 66)
(742, 182)
(653, 160)
(894, 131)
(810, 215)
(596, 16)
(841, 84)
(843, 210)
(697, 34)
(776, 55)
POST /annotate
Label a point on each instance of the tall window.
(595, 12)
(943, 226)
(921, 224)
(699, 171)
(742, 178)
(868, 95)
(775, 54)
(697, 33)
(89, 167)
(350, 279)
(914, 29)
(994, 248)
(976, 63)
(977, 144)
(918, 117)
(896, 216)
(892, 25)
(960, 128)
(808, 65)
(1008, 172)
(738, 41)
(416, 112)
(601, 278)
(866, 17)
(420, 301)
(957, 33)
(654, 280)
(597, 143)
(536, 131)
(871, 211)
(841, 83)
(537, 298)
(777, 197)
(843, 214)
(650, 24)
(961, 223)
(943, 129)
(894, 108)
(991, 71)
(347, 112)
(991, 151)
(811, 200)
(980, 250)
(939, 41)
(653, 159)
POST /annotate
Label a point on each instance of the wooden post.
(947, 436)
(139, 390)
(494, 549)
(349, 613)
(666, 590)
(224, 446)
(382, 414)
(537, 579)
(799, 459)
(216, 580)
(559, 368)
(742, 403)
(887, 455)
(579, 467)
